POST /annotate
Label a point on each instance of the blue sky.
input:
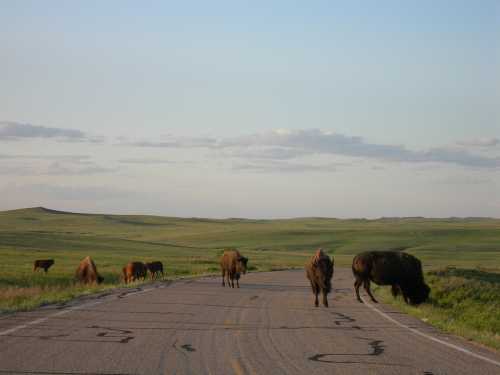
(374, 107)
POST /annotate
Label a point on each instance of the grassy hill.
(190, 246)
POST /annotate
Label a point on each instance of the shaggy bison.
(400, 270)
(232, 264)
(319, 271)
(134, 271)
(86, 272)
(155, 268)
(44, 264)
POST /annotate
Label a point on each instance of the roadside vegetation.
(463, 300)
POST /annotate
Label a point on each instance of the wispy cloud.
(45, 157)
(13, 131)
(151, 161)
(480, 142)
(57, 168)
(289, 144)
(177, 142)
(65, 192)
(285, 167)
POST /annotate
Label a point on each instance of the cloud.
(314, 141)
(57, 168)
(46, 157)
(179, 142)
(286, 167)
(10, 130)
(289, 144)
(64, 169)
(151, 161)
(274, 153)
(62, 192)
(480, 142)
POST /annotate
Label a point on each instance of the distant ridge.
(45, 210)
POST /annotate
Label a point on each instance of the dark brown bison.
(319, 271)
(400, 270)
(86, 272)
(155, 269)
(232, 265)
(134, 271)
(45, 264)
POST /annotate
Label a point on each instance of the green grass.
(465, 302)
(192, 246)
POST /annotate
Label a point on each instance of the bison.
(319, 271)
(155, 268)
(134, 271)
(400, 270)
(45, 264)
(232, 265)
(86, 272)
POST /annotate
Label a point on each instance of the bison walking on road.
(86, 272)
(232, 265)
(134, 271)
(400, 270)
(44, 264)
(319, 271)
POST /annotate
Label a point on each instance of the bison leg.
(366, 285)
(223, 276)
(405, 296)
(237, 283)
(315, 292)
(357, 284)
(325, 299)
(395, 290)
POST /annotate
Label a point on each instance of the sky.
(258, 109)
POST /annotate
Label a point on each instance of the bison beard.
(400, 270)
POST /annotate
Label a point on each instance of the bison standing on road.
(134, 271)
(86, 272)
(232, 264)
(319, 271)
(45, 264)
(400, 270)
(155, 268)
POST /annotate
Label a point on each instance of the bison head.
(419, 294)
(241, 265)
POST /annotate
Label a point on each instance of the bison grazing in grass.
(86, 272)
(400, 270)
(319, 271)
(44, 264)
(134, 271)
(232, 265)
(155, 268)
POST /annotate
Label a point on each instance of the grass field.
(193, 246)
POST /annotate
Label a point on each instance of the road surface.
(268, 326)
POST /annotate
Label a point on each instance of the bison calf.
(400, 270)
(134, 271)
(86, 272)
(45, 264)
(155, 268)
(232, 265)
(319, 271)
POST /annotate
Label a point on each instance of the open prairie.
(192, 246)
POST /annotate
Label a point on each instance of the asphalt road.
(268, 326)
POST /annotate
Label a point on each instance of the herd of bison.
(402, 271)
